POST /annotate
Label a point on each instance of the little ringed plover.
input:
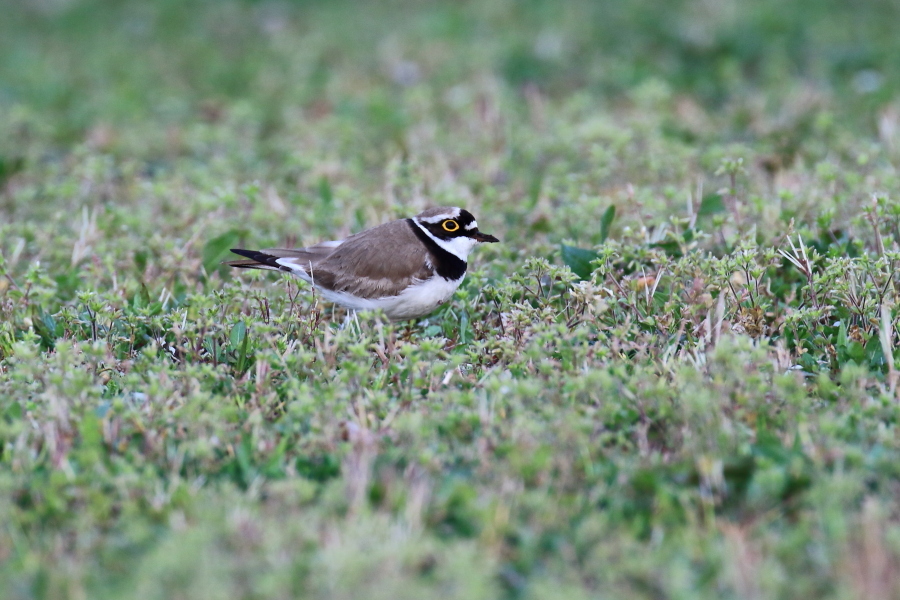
(407, 268)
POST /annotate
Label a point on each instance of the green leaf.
(142, 298)
(856, 351)
(67, 284)
(216, 248)
(13, 412)
(274, 467)
(318, 467)
(464, 329)
(579, 260)
(243, 453)
(140, 261)
(842, 336)
(606, 221)
(710, 205)
(44, 325)
(240, 345)
(238, 333)
(874, 353)
(670, 247)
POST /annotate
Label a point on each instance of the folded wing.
(378, 262)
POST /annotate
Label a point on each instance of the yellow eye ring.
(450, 225)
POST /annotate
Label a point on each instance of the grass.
(677, 377)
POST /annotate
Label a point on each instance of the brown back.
(381, 261)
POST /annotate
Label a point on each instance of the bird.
(407, 268)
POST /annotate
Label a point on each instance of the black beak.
(483, 237)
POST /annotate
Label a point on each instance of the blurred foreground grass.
(636, 395)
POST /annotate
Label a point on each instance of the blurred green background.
(68, 65)
(511, 98)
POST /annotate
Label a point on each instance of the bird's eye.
(450, 225)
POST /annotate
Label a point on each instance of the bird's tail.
(256, 259)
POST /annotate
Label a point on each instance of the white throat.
(458, 246)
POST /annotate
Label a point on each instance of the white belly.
(415, 301)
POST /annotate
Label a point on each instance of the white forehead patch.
(438, 218)
(472, 225)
